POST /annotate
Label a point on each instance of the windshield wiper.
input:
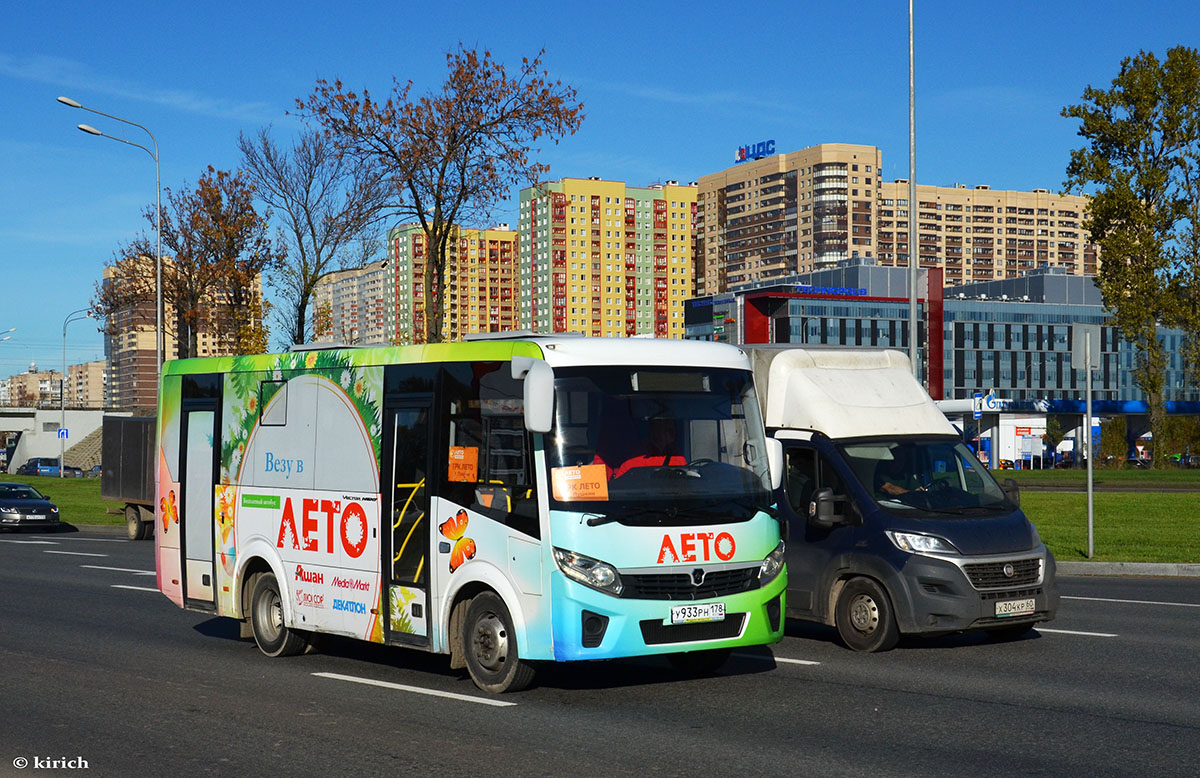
(670, 512)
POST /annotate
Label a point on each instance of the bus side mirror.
(775, 463)
(1012, 490)
(538, 391)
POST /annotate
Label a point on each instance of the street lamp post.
(62, 391)
(158, 302)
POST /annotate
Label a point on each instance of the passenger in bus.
(659, 445)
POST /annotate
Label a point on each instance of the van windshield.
(936, 476)
(657, 445)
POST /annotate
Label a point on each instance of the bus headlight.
(590, 572)
(916, 543)
(771, 566)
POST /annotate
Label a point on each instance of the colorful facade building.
(351, 306)
(606, 259)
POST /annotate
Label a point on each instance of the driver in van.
(895, 476)
(659, 446)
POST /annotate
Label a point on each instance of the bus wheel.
(700, 662)
(490, 645)
(864, 617)
(266, 621)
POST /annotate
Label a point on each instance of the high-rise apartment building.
(768, 218)
(130, 348)
(87, 384)
(606, 259)
(786, 213)
(481, 282)
(33, 389)
(350, 306)
(981, 234)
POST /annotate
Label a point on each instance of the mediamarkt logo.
(307, 577)
(350, 583)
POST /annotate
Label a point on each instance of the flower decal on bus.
(454, 528)
(169, 511)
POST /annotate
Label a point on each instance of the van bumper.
(937, 595)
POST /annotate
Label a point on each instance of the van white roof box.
(844, 393)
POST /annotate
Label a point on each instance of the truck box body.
(127, 470)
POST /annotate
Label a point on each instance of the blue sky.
(991, 80)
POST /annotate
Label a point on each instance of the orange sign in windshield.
(585, 482)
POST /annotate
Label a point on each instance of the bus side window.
(489, 456)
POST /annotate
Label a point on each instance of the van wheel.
(864, 616)
(273, 637)
(700, 662)
(490, 645)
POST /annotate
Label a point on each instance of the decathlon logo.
(349, 606)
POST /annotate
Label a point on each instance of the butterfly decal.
(169, 511)
(464, 548)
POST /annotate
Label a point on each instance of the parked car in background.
(1007, 464)
(95, 472)
(39, 466)
(72, 472)
(23, 506)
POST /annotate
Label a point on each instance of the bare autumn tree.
(326, 201)
(215, 246)
(450, 155)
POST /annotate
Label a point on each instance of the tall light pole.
(62, 391)
(913, 262)
(158, 302)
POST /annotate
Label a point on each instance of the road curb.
(1149, 569)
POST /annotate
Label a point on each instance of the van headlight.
(916, 543)
(772, 566)
(590, 572)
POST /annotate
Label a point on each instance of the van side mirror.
(775, 462)
(1012, 490)
(820, 509)
(538, 392)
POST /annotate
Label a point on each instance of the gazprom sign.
(754, 151)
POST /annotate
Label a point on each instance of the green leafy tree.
(1141, 139)
(1112, 441)
(450, 155)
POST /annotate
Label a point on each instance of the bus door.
(198, 467)
(406, 562)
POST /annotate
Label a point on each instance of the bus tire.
(273, 637)
(490, 645)
(864, 617)
(700, 662)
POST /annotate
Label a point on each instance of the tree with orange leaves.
(450, 155)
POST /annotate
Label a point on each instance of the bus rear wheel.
(273, 637)
(490, 646)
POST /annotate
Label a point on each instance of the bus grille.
(655, 633)
(990, 575)
(678, 586)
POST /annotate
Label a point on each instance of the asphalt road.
(95, 667)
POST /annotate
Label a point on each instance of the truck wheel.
(134, 529)
(700, 662)
(864, 617)
(273, 637)
(490, 645)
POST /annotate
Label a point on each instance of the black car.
(23, 506)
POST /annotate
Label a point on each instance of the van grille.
(990, 575)
(655, 633)
(678, 586)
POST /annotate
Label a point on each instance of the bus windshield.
(657, 445)
(936, 477)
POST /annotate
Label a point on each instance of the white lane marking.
(1135, 602)
(785, 660)
(31, 542)
(416, 690)
(1073, 632)
(70, 553)
(96, 540)
(119, 569)
(134, 588)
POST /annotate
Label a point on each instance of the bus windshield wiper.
(669, 511)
